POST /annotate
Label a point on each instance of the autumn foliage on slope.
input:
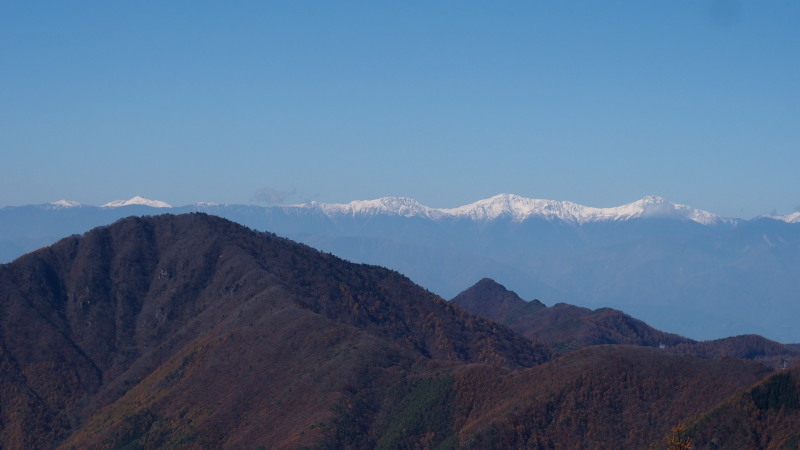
(765, 416)
(190, 328)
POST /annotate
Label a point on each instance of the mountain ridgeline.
(567, 327)
(191, 331)
(673, 266)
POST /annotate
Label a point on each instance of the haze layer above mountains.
(676, 267)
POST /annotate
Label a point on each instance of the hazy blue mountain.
(675, 267)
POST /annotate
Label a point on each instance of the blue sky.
(596, 102)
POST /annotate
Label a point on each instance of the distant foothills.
(676, 267)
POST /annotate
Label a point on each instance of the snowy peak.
(137, 201)
(656, 207)
(64, 204)
(515, 207)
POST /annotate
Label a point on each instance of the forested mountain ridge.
(567, 327)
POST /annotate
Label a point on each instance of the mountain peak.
(137, 201)
(65, 204)
(489, 298)
(516, 207)
(652, 199)
(654, 206)
(399, 206)
(489, 286)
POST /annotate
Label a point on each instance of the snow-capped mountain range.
(514, 207)
(674, 266)
(520, 208)
(135, 201)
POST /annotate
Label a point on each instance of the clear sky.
(596, 102)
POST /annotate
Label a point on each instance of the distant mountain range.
(190, 331)
(674, 266)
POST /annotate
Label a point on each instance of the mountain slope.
(765, 416)
(161, 329)
(599, 397)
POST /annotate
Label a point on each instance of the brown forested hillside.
(764, 416)
(191, 328)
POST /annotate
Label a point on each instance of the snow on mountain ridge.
(65, 204)
(654, 206)
(519, 208)
(793, 218)
(788, 218)
(400, 206)
(137, 201)
(511, 206)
